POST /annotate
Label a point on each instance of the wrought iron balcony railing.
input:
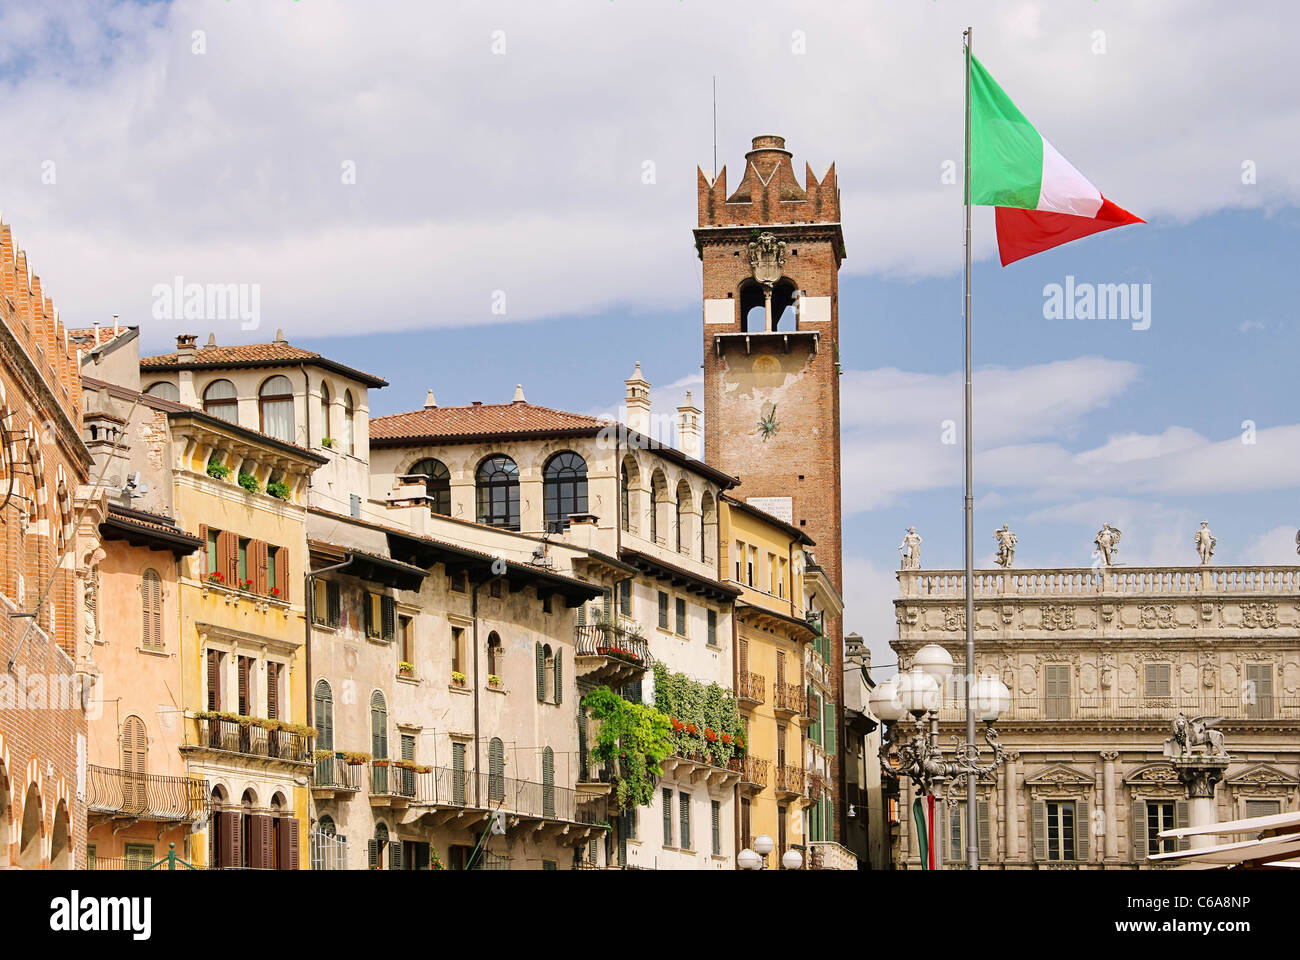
(443, 786)
(607, 640)
(754, 772)
(249, 739)
(789, 778)
(143, 796)
(335, 774)
(750, 687)
(789, 697)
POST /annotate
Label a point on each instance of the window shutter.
(815, 728)
(395, 855)
(369, 605)
(1139, 829)
(663, 611)
(288, 843)
(244, 706)
(231, 839)
(372, 854)
(956, 821)
(829, 713)
(229, 553)
(668, 817)
(684, 816)
(260, 563)
(203, 555)
(607, 603)
(559, 676)
(716, 808)
(541, 672)
(985, 840)
(214, 680)
(1082, 830)
(625, 597)
(1040, 831)
(742, 656)
(389, 608)
(151, 609)
(272, 690)
(582, 614)
(496, 768)
(332, 602)
(458, 773)
(548, 782)
(1181, 819)
(282, 571)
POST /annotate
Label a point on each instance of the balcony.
(788, 699)
(753, 774)
(609, 654)
(248, 739)
(1110, 582)
(1157, 710)
(702, 768)
(433, 796)
(120, 795)
(789, 780)
(829, 855)
(333, 776)
(749, 690)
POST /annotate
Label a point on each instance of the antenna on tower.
(715, 126)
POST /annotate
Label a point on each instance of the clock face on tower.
(767, 422)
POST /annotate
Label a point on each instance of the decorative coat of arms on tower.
(767, 258)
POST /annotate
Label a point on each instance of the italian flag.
(1042, 201)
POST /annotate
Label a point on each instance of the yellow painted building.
(764, 557)
(242, 627)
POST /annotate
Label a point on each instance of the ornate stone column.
(1108, 795)
(1201, 775)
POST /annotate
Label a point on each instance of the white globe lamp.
(918, 692)
(884, 702)
(793, 860)
(747, 859)
(991, 698)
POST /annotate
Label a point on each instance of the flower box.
(458, 678)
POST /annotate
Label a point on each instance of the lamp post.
(919, 691)
(756, 859)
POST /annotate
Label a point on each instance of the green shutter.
(985, 838)
(684, 817)
(1181, 820)
(956, 823)
(458, 773)
(607, 602)
(667, 796)
(815, 728)
(395, 855)
(372, 854)
(496, 770)
(541, 672)
(717, 826)
(389, 610)
(1139, 830)
(829, 713)
(582, 614)
(559, 676)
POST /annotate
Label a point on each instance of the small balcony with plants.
(263, 739)
(610, 652)
(397, 783)
(706, 731)
(337, 773)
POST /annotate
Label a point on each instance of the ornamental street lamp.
(756, 859)
(919, 692)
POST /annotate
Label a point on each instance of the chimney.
(279, 335)
(429, 402)
(115, 327)
(519, 394)
(212, 340)
(688, 428)
(637, 402)
(185, 346)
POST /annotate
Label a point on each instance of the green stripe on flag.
(1006, 151)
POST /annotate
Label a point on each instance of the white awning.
(1282, 848)
(1273, 821)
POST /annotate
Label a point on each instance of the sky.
(466, 196)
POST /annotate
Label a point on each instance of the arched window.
(349, 425)
(29, 841)
(565, 486)
(683, 514)
(658, 495)
(323, 716)
(437, 484)
(708, 525)
(378, 726)
(164, 391)
(135, 765)
(624, 496)
(61, 839)
(275, 401)
(379, 847)
(220, 400)
(326, 826)
(548, 782)
(784, 305)
(496, 770)
(753, 311)
(151, 610)
(325, 412)
(494, 652)
(498, 492)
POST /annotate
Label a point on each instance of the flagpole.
(972, 818)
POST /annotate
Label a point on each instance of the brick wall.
(44, 469)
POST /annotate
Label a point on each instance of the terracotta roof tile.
(491, 419)
(254, 354)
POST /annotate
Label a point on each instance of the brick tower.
(771, 254)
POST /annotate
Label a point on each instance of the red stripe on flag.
(1023, 233)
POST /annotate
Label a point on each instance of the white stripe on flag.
(1065, 189)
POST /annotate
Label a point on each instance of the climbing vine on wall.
(704, 718)
(632, 740)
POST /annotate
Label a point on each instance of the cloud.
(549, 150)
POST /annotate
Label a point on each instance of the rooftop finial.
(430, 403)
(519, 393)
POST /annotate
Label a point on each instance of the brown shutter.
(228, 557)
(332, 602)
(243, 705)
(259, 564)
(287, 855)
(273, 690)
(214, 680)
(230, 828)
(743, 657)
(282, 571)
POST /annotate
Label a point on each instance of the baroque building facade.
(1098, 662)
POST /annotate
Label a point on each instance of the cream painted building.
(1098, 664)
(646, 515)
